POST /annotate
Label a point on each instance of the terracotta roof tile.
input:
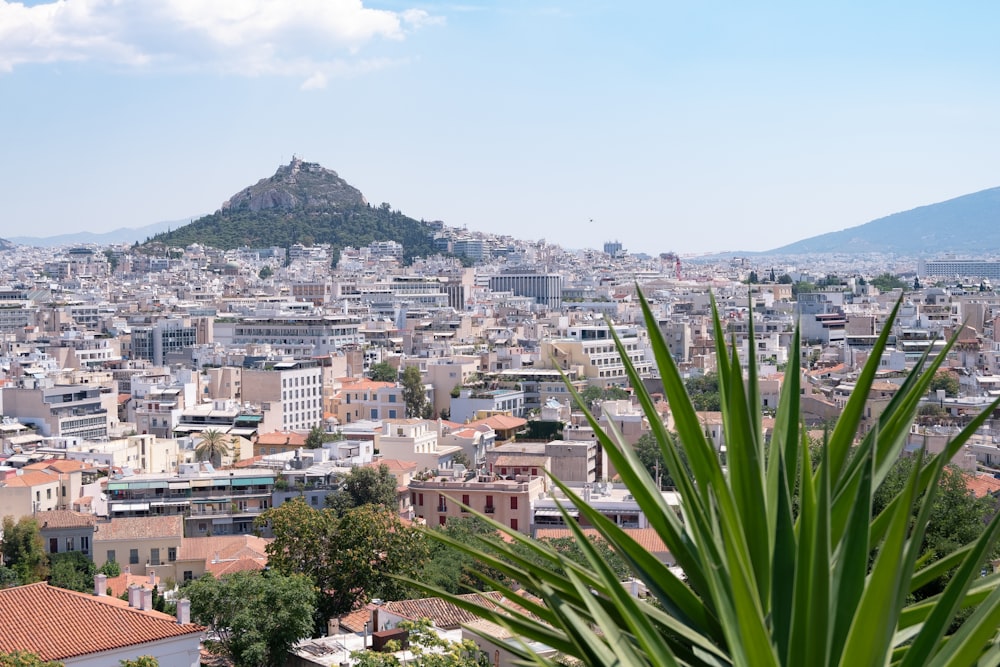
(31, 478)
(444, 614)
(139, 528)
(65, 519)
(57, 624)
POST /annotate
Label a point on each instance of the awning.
(201, 482)
(571, 512)
(252, 481)
(131, 507)
(178, 485)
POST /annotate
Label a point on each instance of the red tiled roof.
(282, 438)
(141, 528)
(444, 614)
(982, 485)
(64, 519)
(647, 538)
(57, 624)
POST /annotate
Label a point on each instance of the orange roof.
(57, 624)
(394, 465)
(120, 584)
(982, 485)
(59, 465)
(64, 519)
(31, 478)
(282, 438)
(647, 538)
(501, 422)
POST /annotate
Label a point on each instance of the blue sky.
(671, 126)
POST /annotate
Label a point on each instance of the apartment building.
(76, 410)
(290, 394)
(436, 499)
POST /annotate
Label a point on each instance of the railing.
(489, 509)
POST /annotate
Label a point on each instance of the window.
(420, 498)
(513, 502)
(85, 544)
(171, 554)
(70, 544)
(133, 556)
(465, 501)
(442, 519)
(111, 556)
(188, 575)
(201, 527)
(489, 505)
(154, 556)
(392, 398)
(513, 524)
(53, 545)
(48, 494)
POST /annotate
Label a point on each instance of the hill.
(6, 245)
(966, 224)
(120, 235)
(302, 203)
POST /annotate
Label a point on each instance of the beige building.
(447, 373)
(77, 410)
(416, 440)
(289, 392)
(591, 352)
(510, 502)
(136, 452)
(140, 544)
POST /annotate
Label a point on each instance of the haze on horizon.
(691, 127)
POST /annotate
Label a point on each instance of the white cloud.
(316, 82)
(309, 39)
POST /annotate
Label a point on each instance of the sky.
(687, 126)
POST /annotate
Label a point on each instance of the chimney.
(134, 597)
(147, 598)
(127, 570)
(183, 611)
(152, 578)
(100, 584)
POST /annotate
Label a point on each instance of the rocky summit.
(297, 185)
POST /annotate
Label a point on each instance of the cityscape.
(372, 333)
(158, 402)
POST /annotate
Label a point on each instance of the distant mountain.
(6, 245)
(966, 224)
(302, 203)
(121, 235)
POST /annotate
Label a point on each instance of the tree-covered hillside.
(303, 202)
(356, 226)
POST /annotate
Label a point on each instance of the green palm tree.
(784, 562)
(213, 447)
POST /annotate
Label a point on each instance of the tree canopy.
(414, 392)
(23, 550)
(254, 617)
(383, 372)
(350, 558)
(365, 485)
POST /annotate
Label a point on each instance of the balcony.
(442, 508)
(489, 509)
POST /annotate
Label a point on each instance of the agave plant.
(784, 561)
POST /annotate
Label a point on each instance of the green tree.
(254, 617)
(141, 661)
(454, 570)
(25, 659)
(72, 570)
(23, 549)
(414, 392)
(265, 273)
(957, 517)
(383, 372)
(214, 445)
(316, 437)
(886, 282)
(648, 451)
(945, 380)
(110, 568)
(785, 562)
(704, 392)
(351, 558)
(365, 485)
